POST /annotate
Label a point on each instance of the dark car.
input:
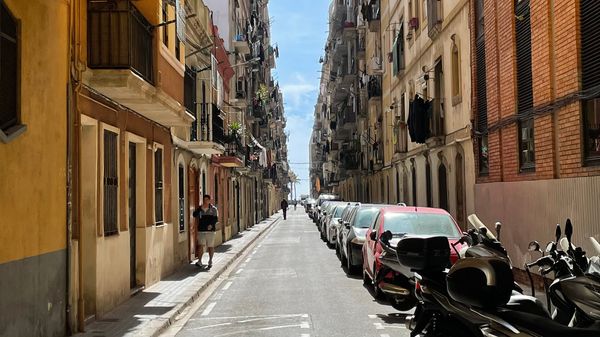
(322, 199)
(401, 221)
(353, 232)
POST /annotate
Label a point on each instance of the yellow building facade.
(33, 168)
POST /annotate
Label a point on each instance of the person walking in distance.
(208, 216)
(284, 207)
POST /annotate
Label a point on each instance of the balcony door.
(131, 204)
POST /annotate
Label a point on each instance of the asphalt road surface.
(291, 284)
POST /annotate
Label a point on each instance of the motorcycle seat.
(529, 304)
(544, 326)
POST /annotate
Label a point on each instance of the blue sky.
(300, 29)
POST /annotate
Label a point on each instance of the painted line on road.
(304, 325)
(248, 259)
(385, 335)
(378, 326)
(208, 309)
(372, 316)
(227, 285)
(239, 271)
(305, 335)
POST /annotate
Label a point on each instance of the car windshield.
(421, 224)
(365, 217)
(338, 211)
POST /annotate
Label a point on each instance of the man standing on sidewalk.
(208, 216)
(284, 207)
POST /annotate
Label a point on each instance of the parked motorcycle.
(392, 279)
(477, 295)
(575, 291)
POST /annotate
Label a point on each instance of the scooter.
(575, 291)
(476, 296)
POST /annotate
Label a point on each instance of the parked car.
(401, 221)
(308, 206)
(331, 226)
(346, 216)
(353, 232)
(326, 214)
(320, 200)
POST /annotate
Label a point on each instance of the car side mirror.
(373, 236)
(340, 221)
(347, 224)
(386, 237)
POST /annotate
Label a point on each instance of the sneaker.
(209, 264)
(198, 264)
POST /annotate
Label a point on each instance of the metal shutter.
(524, 76)
(590, 48)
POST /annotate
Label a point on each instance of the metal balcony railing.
(120, 37)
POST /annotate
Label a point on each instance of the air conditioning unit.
(413, 23)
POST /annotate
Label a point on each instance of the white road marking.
(227, 285)
(248, 259)
(385, 335)
(279, 327)
(378, 326)
(210, 326)
(372, 316)
(208, 309)
(250, 317)
(305, 315)
(304, 325)
(239, 271)
(304, 335)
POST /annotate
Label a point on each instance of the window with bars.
(158, 187)
(111, 183)
(9, 54)
(524, 85)
(181, 183)
(590, 78)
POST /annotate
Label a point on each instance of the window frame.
(165, 18)
(13, 127)
(156, 222)
(590, 80)
(456, 72)
(104, 128)
(525, 164)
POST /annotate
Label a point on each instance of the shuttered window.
(524, 85)
(398, 52)
(481, 91)
(590, 78)
(8, 69)
(111, 183)
(158, 187)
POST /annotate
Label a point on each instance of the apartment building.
(537, 118)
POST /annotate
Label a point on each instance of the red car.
(402, 221)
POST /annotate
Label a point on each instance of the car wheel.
(378, 294)
(348, 261)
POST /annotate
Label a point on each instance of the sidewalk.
(153, 310)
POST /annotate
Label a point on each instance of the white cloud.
(298, 94)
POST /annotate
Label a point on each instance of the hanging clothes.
(419, 115)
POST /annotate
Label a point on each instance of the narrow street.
(291, 284)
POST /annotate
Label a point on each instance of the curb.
(167, 321)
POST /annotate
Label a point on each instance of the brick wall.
(555, 36)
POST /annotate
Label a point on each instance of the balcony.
(374, 87)
(234, 156)
(374, 16)
(121, 63)
(209, 138)
(241, 45)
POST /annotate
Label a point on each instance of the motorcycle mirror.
(534, 246)
(386, 237)
(557, 233)
(569, 231)
(549, 247)
(498, 226)
(373, 236)
(595, 244)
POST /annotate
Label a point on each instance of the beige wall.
(530, 210)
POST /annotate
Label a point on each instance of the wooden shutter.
(111, 183)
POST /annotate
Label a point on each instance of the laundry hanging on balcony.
(419, 115)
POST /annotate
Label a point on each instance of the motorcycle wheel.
(403, 303)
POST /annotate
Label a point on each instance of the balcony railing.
(374, 86)
(120, 37)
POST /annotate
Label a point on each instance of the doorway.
(194, 201)
(238, 206)
(132, 207)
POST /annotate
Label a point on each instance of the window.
(111, 183)
(590, 78)
(177, 44)
(398, 51)
(9, 114)
(524, 85)
(413, 174)
(428, 184)
(158, 187)
(421, 224)
(181, 180)
(216, 197)
(526, 145)
(481, 92)
(456, 98)
(443, 187)
(165, 18)
(434, 17)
